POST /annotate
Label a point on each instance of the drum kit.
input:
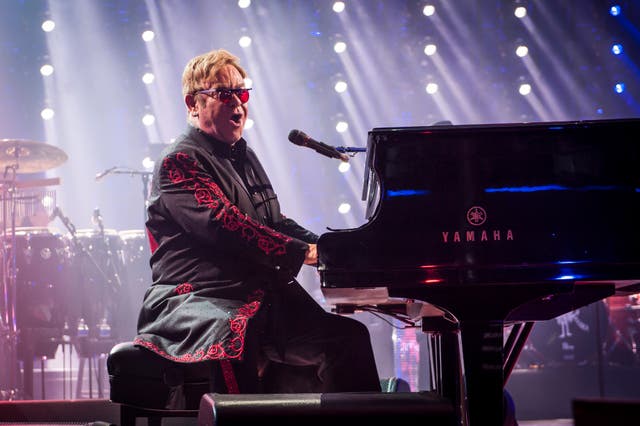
(52, 283)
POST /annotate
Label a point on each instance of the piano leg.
(514, 345)
(475, 383)
(447, 371)
(482, 348)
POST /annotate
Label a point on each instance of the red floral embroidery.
(230, 349)
(205, 197)
(215, 351)
(184, 288)
(181, 169)
(250, 309)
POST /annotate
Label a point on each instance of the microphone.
(65, 220)
(96, 218)
(299, 137)
(106, 172)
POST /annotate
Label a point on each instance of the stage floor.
(102, 412)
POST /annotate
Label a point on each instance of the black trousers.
(294, 345)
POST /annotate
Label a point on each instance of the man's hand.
(311, 256)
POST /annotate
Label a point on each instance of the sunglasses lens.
(243, 95)
(225, 96)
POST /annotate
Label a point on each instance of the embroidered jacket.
(219, 242)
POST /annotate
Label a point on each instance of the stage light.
(148, 119)
(148, 35)
(430, 49)
(46, 70)
(615, 10)
(342, 126)
(340, 47)
(148, 163)
(48, 26)
(431, 88)
(619, 87)
(520, 12)
(428, 10)
(616, 49)
(245, 41)
(344, 208)
(524, 89)
(47, 114)
(340, 86)
(243, 4)
(338, 6)
(522, 51)
(148, 78)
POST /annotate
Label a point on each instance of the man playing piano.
(224, 258)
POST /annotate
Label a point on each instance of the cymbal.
(30, 156)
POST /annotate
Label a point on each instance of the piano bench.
(146, 384)
(320, 409)
(150, 386)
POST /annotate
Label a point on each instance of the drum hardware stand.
(29, 157)
(84, 350)
(79, 248)
(9, 290)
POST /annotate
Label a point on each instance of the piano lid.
(506, 203)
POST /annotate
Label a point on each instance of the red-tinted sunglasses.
(225, 95)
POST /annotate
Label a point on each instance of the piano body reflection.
(492, 225)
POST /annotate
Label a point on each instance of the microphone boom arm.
(350, 149)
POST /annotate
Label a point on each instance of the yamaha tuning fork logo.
(476, 217)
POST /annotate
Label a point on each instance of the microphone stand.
(144, 175)
(79, 247)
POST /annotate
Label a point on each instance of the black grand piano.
(494, 226)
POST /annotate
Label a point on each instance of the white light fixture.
(344, 208)
(245, 41)
(148, 119)
(522, 51)
(430, 49)
(524, 89)
(48, 26)
(148, 35)
(340, 86)
(47, 114)
(429, 10)
(46, 70)
(148, 78)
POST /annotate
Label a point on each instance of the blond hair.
(200, 72)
